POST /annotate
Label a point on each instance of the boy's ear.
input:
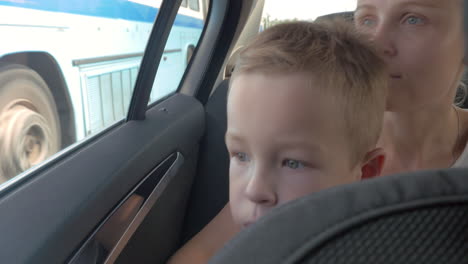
(373, 164)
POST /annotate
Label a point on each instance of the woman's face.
(422, 43)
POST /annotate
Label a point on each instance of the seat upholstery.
(210, 191)
(412, 218)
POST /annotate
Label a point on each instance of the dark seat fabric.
(210, 190)
(413, 218)
(461, 98)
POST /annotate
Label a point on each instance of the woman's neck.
(426, 138)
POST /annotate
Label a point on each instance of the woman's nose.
(384, 40)
(260, 188)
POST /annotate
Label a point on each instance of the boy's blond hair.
(338, 61)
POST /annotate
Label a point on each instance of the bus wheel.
(29, 122)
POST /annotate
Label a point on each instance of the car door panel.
(49, 213)
(111, 237)
(103, 171)
(159, 235)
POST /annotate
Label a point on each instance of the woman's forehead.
(392, 3)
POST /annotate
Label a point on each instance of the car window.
(194, 5)
(180, 46)
(277, 11)
(68, 70)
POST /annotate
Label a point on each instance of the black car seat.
(210, 190)
(461, 98)
(416, 218)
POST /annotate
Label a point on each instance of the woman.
(422, 43)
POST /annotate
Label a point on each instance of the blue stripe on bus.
(115, 9)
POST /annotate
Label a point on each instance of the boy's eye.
(413, 20)
(293, 164)
(241, 156)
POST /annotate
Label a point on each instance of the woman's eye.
(241, 156)
(412, 20)
(293, 164)
(368, 22)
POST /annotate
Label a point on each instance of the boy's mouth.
(395, 76)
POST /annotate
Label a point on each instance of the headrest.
(422, 217)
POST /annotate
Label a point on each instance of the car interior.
(148, 162)
(418, 217)
(167, 165)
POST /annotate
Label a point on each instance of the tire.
(29, 122)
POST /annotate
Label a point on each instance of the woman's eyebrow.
(365, 6)
(430, 4)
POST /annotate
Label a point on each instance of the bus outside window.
(193, 4)
(68, 67)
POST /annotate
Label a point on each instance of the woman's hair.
(337, 60)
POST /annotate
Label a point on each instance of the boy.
(305, 111)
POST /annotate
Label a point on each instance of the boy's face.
(286, 139)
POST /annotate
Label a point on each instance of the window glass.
(68, 71)
(194, 5)
(184, 3)
(278, 11)
(180, 45)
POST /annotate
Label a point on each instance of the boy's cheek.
(237, 176)
(302, 185)
(340, 173)
(236, 186)
(295, 192)
(297, 185)
(236, 203)
(346, 175)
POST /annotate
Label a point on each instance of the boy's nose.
(260, 189)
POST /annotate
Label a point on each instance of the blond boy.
(304, 111)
